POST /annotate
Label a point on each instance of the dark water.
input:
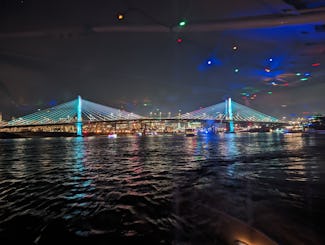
(161, 189)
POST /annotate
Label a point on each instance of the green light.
(269, 92)
(182, 23)
(304, 79)
(236, 70)
(298, 74)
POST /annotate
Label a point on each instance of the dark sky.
(52, 51)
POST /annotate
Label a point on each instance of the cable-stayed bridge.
(79, 115)
(222, 111)
(71, 111)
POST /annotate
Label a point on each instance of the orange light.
(120, 16)
(238, 242)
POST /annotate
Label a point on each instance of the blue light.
(229, 109)
(79, 117)
(209, 63)
(307, 74)
(315, 4)
(52, 103)
(270, 59)
(230, 116)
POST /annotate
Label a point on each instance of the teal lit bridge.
(81, 117)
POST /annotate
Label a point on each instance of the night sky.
(267, 54)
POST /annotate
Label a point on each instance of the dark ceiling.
(267, 54)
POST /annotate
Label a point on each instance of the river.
(162, 189)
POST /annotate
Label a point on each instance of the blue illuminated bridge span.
(80, 116)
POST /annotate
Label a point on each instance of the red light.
(315, 64)
(179, 40)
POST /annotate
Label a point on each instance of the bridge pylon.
(229, 115)
(79, 116)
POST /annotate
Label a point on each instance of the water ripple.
(169, 190)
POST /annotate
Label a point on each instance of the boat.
(293, 129)
(112, 136)
(189, 132)
(315, 125)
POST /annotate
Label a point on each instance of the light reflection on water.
(160, 187)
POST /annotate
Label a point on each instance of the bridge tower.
(79, 116)
(229, 115)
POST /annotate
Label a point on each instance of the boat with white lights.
(293, 129)
(112, 136)
(315, 125)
